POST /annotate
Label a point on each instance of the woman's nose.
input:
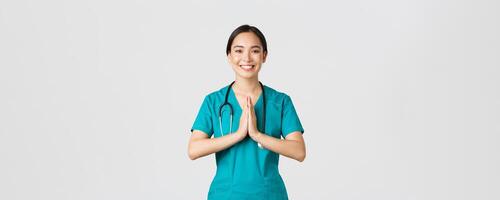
(247, 57)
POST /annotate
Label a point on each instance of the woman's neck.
(246, 86)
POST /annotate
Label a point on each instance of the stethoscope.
(226, 103)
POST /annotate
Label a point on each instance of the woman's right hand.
(243, 127)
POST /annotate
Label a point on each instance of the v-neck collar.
(233, 96)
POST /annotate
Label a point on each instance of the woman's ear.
(265, 56)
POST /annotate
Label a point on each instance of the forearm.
(206, 146)
(290, 148)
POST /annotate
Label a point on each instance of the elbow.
(301, 157)
(192, 155)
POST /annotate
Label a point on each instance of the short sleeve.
(290, 120)
(203, 121)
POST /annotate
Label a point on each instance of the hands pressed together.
(292, 146)
(248, 122)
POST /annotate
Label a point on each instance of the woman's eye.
(237, 51)
(256, 51)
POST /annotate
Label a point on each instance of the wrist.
(241, 134)
(258, 137)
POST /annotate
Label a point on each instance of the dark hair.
(246, 28)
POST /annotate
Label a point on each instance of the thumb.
(248, 102)
(246, 107)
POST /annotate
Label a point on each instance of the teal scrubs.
(245, 171)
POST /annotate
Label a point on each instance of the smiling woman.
(248, 155)
(246, 51)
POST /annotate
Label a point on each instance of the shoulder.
(275, 95)
(216, 95)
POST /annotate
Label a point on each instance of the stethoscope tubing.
(226, 103)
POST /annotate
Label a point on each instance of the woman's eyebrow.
(239, 46)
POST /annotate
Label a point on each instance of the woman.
(247, 151)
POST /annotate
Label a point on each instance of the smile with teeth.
(247, 67)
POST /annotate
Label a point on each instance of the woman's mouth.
(247, 67)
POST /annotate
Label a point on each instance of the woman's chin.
(246, 74)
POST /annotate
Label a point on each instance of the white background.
(399, 99)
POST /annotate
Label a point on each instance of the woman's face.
(246, 55)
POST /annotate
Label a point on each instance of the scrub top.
(245, 171)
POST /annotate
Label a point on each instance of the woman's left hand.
(253, 132)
